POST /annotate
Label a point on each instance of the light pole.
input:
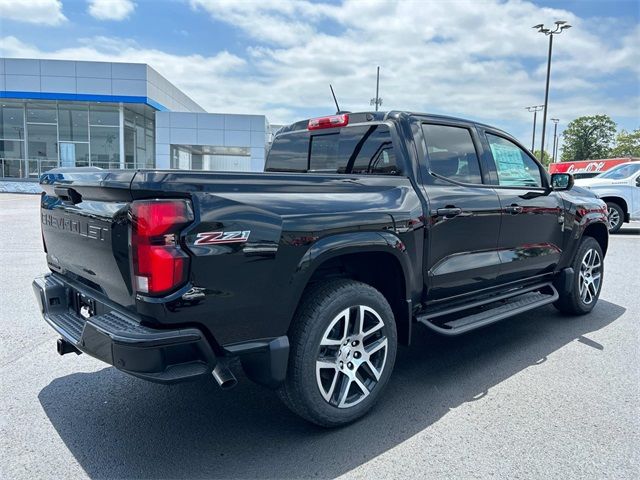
(535, 109)
(560, 25)
(377, 101)
(555, 139)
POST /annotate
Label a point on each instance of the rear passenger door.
(463, 212)
(532, 231)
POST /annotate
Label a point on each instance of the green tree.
(546, 160)
(627, 144)
(588, 138)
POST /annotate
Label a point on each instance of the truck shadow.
(120, 427)
(628, 231)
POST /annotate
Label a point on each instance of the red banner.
(586, 166)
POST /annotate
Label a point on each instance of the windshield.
(621, 172)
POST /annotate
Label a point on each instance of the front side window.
(514, 166)
(451, 153)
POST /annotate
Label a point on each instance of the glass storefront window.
(149, 139)
(105, 116)
(11, 121)
(129, 145)
(41, 113)
(140, 145)
(43, 141)
(37, 135)
(180, 158)
(74, 154)
(105, 147)
(12, 168)
(139, 138)
(73, 122)
(11, 149)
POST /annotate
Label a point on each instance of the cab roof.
(361, 117)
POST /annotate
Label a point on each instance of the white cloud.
(44, 12)
(479, 59)
(278, 22)
(111, 9)
(474, 59)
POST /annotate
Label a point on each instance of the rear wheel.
(588, 268)
(343, 348)
(615, 215)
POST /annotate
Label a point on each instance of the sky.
(475, 59)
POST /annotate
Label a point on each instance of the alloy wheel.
(613, 218)
(352, 356)
(590, 276)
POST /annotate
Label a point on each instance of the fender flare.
(340, 244)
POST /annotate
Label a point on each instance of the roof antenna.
(335, 100)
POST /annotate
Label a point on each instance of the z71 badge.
(216, 238)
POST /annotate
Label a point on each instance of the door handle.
(449, 212)
(514, 209)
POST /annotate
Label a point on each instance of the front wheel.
(343, 348)
(588, 272)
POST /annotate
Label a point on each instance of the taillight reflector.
(328, 122)
(159, 264)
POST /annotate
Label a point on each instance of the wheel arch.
(600, 233)
(618, 200)
(377, 259)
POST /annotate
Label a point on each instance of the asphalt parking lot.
(536, 396)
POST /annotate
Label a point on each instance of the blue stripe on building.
(83, 97)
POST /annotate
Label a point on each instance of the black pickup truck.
(363, 227)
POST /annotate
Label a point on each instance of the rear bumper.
(117, 338)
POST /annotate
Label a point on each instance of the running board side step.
(501, 307)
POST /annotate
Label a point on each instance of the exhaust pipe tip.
(225, 378)
(63, 347)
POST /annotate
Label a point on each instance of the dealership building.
(114, 115)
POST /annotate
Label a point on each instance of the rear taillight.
(159, 264)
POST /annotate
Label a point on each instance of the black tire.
(615, 213)
(573, 302)
(321, 307)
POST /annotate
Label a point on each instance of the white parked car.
(620, 188)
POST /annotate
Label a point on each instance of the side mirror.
(561, 181)
(637, 181)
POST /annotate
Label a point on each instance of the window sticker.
(514, 167)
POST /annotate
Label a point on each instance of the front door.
(464, 214)
(532, 229)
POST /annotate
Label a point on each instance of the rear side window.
(452, 153)
(514, 166)
(360, 149)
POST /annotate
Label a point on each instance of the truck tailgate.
(85, 228)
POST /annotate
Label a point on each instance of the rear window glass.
(362, 150)
(324, 152)
(288, 154)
